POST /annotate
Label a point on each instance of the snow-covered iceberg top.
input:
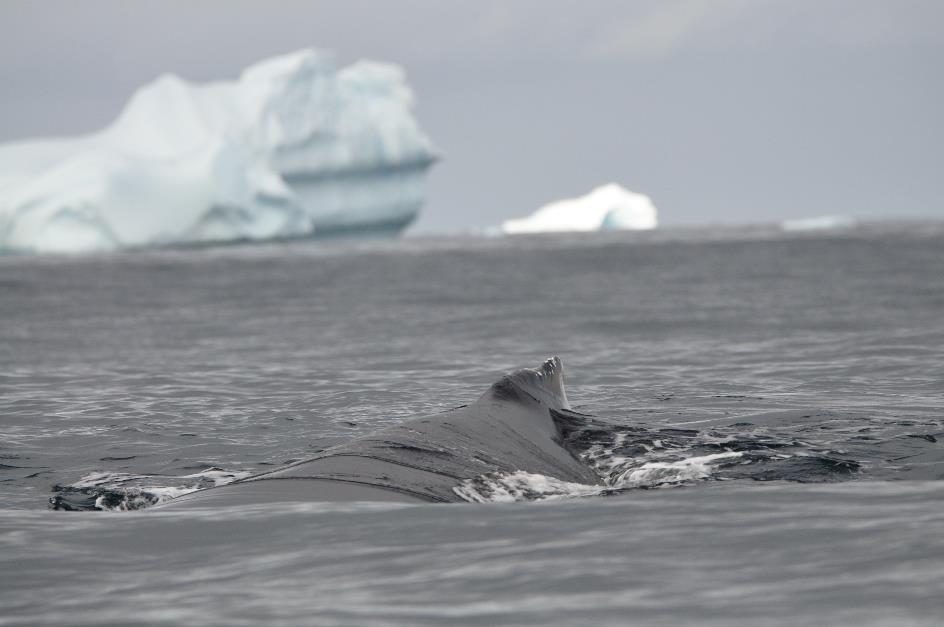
(609, 207)
(819, 223)
(292, 148)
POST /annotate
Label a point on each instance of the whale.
(518, 424)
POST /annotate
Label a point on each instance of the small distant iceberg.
(607, 208)
(819, 223)
(293, 148)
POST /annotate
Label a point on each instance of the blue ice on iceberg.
(293, 148)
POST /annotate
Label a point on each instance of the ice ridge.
(293, 148)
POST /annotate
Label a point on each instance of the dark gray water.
(784, 394)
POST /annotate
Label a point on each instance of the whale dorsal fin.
(543, 385)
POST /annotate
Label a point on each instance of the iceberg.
(607, 208)
(819, 223)
(293, 148)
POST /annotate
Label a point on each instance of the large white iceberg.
(608, 207)
(293, 148)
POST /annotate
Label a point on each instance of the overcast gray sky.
(721, 110)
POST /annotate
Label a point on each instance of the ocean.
(767, 411)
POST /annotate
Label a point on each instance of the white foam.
(662, 473)
(521, 486)
(525, 486)
(139, 491)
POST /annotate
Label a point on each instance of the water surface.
(770, 411)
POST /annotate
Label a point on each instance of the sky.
(723, 111)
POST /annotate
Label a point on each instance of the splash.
(115, 491)
(632, 458)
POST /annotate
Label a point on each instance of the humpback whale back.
(510, 428)
(543, 386)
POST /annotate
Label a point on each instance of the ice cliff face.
(609, 207)
(292, 148)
